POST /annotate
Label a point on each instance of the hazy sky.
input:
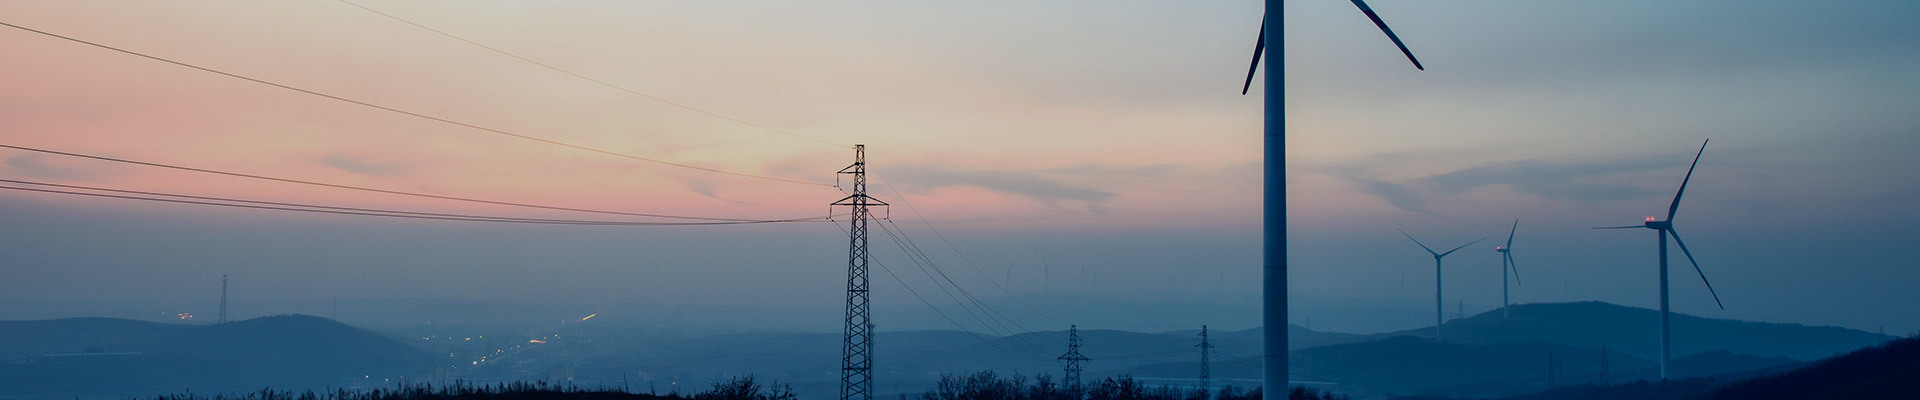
(1107, 136)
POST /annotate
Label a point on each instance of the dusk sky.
(1104, 135)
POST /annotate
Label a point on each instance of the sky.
(1038, 137)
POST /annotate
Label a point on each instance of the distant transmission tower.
(1606, 370)
(856, 354)
(1549, 370)
(1205, 348)
(1073, 358)
(223, 300)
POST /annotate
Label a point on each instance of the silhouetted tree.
(738, 388)
(988, 385)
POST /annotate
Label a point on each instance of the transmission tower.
(1073, 358)
(1606, 370)
(1205, 348)
(1549, 370)
(223, 300)
(856, 354)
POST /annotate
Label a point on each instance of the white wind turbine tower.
(1665, 227)
(1438, 316)
(1507, 264)
(1273, 314)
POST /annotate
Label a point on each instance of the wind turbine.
(1274, 207)
(1437, 304)
(1506, 263)
(1666, 228)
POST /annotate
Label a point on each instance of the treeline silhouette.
(988, 385)
(738, 388)
(985, 385)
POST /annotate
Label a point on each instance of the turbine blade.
(1462, 247)
(1621, 227)
(1516, 228)
(1683, 182)
(1516, 268)
(1258, 47)
(1696, 267)
(1389, 31)
(1417, 241)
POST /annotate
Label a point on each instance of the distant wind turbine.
(1506, 264)
(1438, 317)
(1274, 203)
(1666, 228)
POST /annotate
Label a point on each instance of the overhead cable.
(956, 250)
(589, 79)
(414, 114)
(261, 205)
(936, 309)
(926, 264)
(366, 189)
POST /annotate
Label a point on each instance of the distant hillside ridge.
(1636, 331)
(105, 357)
(26, 339)
(1888, 371)
(295, 342)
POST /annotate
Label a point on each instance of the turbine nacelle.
(1659, 225)
(1500, 249)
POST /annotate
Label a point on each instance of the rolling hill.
(1636, 331)
(102, 357)
(1486, 355)
(1887, 371)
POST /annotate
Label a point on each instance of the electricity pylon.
(1205, 348)
(1550, 370)
(856, 353)
(1606, 370)
(1072, 359)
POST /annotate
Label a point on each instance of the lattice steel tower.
(856, 354)
(223, 300)
(1550, 370)
(1073, 358)
(1606, 370)
(1205, 348)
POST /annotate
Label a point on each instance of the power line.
(943, 315)
(1149, 355)
(918, 262)
(589, 79)
(410, 113)
(927, 265)
(976, 300)
(913, 250)
(386, 213)
(936, 309)
(355, 209)
(367, 189)
(956, 249)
